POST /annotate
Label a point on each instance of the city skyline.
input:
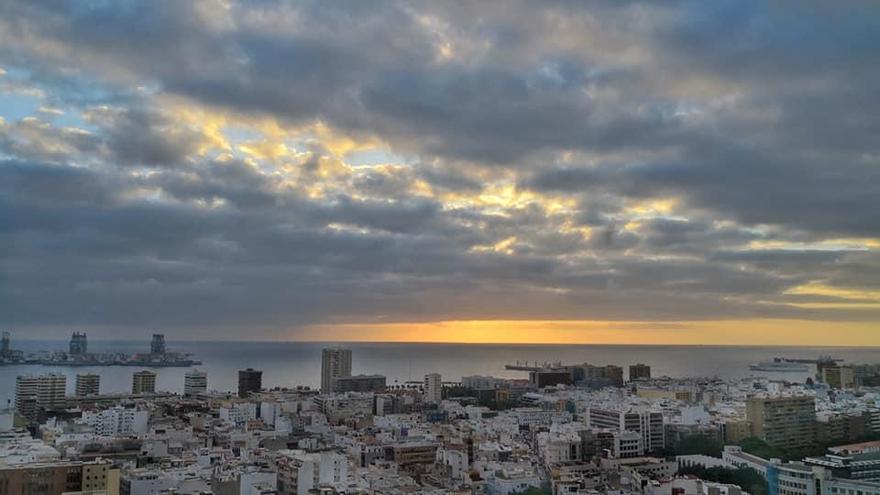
(570, 427)
(600, 172)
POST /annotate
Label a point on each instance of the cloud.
(195, 164)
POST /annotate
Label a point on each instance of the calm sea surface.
(297, 363)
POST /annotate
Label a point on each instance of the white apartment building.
(300, 471)
(645, 422)
(239, 414)
(117, 421)
(195, 382)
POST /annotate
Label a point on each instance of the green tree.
(697, 444)
(535, 491)
(760, 448)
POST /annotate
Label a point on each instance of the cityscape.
(558, 429)
(463, 247)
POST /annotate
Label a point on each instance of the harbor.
(78, 355)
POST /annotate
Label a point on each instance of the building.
(791, 478)
(88, 384)
(157, 345)
(152, 481)
(684, 394)
(828, 475)
(433, 388)
(549, 378)
(239, 414)
(411, 453)
(511, 480)
(479, 382)
(143, 382)
(335, 363)
(195, 382)
(867, 375)
(598, 376)
(838, 486)
(5, 345)
(735, 456)
(639, 372)
(342, 406)
(736, 430)
(840, 428)
(646, 423)
(251, 481)
(33, 393)
(839, 376)
(249, 380)
(360, 383)
(627, 445)
(677, 432)
(117, 421)
(51, 391)
(59, 477)
(787, 422)
(301, 473)
(859, 461)
(26, 396)
(79, 344)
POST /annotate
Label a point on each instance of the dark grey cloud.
(833, 198)
(534, 134)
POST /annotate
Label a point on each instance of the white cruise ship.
(779, 365)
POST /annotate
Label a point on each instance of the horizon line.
(443, 342)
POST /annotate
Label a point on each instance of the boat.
(779, 365)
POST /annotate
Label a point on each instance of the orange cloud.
(716, 332)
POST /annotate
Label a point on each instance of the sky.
(640, 172)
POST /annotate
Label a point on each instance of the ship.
(779, 365)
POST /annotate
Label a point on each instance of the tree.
(697, 444)
(760, 448)
(535, 491)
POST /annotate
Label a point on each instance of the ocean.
(287, 364)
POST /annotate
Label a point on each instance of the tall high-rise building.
(26, 396)
(88, 384)
(5, 345)
(143, 382)
(639, 372)
(335, 363)
(839, 376)
(249, 380)
(195, 382)
(52, 390)
(433, 388)
(157, 345)
(39, 392)
(785, 422)
(79, 344)
(598, 376)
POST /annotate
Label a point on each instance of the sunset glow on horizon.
(743, 332)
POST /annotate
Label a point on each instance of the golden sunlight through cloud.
(715, 332)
